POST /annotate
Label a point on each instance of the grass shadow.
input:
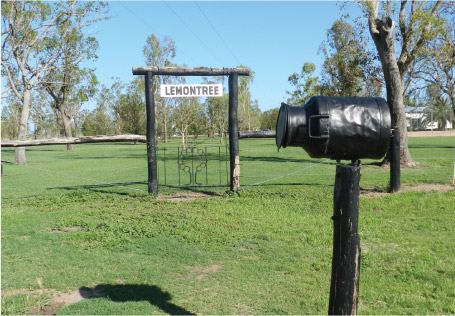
(282, 160)
(431, 146)
(99, 188)
(135, 292)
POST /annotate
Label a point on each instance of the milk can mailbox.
(340, 128)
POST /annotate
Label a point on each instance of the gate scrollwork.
(192, 161)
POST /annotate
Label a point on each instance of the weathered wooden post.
(344, 287)
(150, 134)
(234, 132)
(395, 171)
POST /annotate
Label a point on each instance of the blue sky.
(273, 39)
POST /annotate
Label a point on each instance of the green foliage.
(130, 110)
(101, 120)
(248, 109)
(216, 110)
(305, 85)
(269, 118)
(437, 108)
(10, 118)
(160, 54)
(346, 63)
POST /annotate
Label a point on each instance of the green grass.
(264, 250)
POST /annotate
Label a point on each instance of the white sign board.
(191, 90)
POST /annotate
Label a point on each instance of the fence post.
(234, 132)
(395, 172)
(164, 153)
(150, 133)
(344, 287)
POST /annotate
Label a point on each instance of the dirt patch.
(430, 133)
(66, 230)
(188, 196)
(202, 272)
(57, 299)
(374, 193)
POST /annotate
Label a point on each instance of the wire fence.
(123, 167)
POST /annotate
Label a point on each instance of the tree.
(438, 60)
(248, 110)
(305, 85)
(347, 69)
(72, 85)
(159, 54)
(100, 121)
(78, 85)
(216, 110)
(269, 118)
(42, 116)
(437, 107)
(417, 25)
(184, 115)
(10, 118)
(130, 109)
(30, 50)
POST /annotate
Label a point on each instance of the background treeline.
(47, 89)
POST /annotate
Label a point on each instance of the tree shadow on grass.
(136, 293)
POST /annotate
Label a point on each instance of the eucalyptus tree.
(438, 59)
(129, 108)
(11, 111)
(418, 22)
(100, 121)
(71, 85)
(248, 110)
(216, 110)
(159, 54)
(31, 48)
(184, 115)
(348, 69)
(304, 83)
(269, 118)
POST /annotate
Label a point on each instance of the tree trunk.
(183, 139)
(382, 34)
(165, 126)
(186, 136)
(23, 127)
(68, 134)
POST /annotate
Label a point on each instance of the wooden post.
(395, 171)
(344, 287)
(150, 134)
(234, 132)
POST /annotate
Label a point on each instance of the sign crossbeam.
(199, 71)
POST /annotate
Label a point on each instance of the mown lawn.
(81, 222)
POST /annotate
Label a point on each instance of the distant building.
(419, 119)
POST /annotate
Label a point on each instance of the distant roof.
(414, 109)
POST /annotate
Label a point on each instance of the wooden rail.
(257, 134)
(75, 140)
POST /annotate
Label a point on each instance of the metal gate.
(194, 166)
